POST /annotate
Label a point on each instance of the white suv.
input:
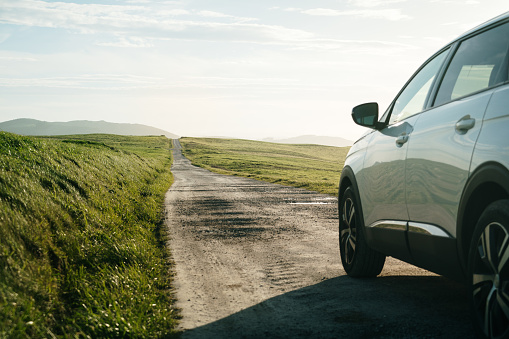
(429, 184)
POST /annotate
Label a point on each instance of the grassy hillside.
(81, 241)
(39, 128)
(312, 167)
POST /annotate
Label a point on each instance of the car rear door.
(441, 145)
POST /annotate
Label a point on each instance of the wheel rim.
(489, 281)
(348, 231)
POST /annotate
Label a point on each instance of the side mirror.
(366, 115)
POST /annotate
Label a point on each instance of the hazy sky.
(246, 69)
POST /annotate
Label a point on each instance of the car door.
(441, 145)
(382, 179)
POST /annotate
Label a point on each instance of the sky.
(237, 68)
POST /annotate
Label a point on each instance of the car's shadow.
(344, 307)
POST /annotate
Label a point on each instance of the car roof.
(490, 22)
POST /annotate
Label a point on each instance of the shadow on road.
(344, 307)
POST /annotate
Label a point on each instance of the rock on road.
(259, 260)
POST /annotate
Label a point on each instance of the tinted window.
(479, 63)
(413, 97)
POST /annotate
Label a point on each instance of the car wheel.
(489, 271)
(357, 258)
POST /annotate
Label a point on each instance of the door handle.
(401, 140)
(464, 124)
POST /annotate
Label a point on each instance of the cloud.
(125, 82)
(293, 9)
(86, 81)
(374, 3)
(138, 22)
(152, 2)
(458, 2)
(212, 14)
(173, 12)
(218, 15)
(83, 17)
(386, 14)
(17, 58)
(123, 41)
(355, 47)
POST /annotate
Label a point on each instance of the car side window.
(479, 63)
(413, 98)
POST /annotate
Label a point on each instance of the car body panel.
(356, 154)
(438, 160)
(493, 141)
(382, 184)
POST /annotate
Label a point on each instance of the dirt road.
(257, 260)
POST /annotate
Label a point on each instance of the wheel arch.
(347, 180)
(488, 183)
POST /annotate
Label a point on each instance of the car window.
(479, 63)
(413, 98)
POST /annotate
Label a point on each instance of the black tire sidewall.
(366, 261)
(349, 194)
(496, 212)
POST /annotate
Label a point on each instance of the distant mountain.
(313, 139)
(37, 127)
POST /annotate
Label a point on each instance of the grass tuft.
(81, 242)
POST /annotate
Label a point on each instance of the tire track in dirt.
(260, 260)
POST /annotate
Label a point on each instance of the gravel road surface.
(258, 260)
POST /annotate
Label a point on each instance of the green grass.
(82, 244)
(313, 167)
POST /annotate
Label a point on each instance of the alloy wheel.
(490, 286)
(349, 230)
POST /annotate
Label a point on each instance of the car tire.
(489, 272)
(357, 258)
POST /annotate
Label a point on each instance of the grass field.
(82, 248)
(312, 167)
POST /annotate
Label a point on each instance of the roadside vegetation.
(313, 167)
(82, 244)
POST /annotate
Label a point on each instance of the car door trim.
(427, 229)
(414, 227)
(390, 225)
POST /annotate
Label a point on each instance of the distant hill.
(37, 127)
(314, 139)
